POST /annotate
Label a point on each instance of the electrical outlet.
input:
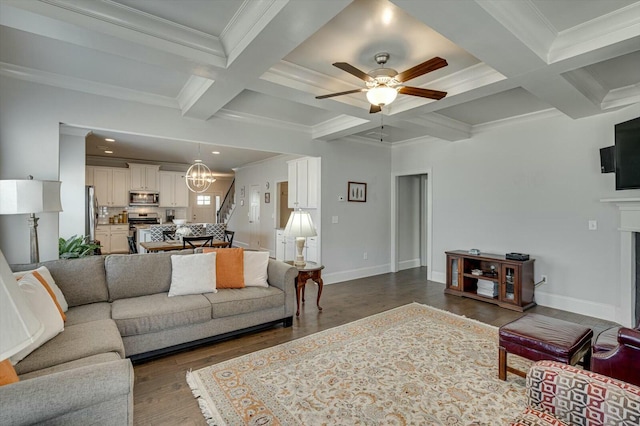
(364, 255)
(334, 219)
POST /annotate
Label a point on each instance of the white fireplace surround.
(629, 223)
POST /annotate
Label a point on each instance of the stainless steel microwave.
(144, 198)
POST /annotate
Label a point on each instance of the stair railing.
(227, 203)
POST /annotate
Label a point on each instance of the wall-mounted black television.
(627, 154)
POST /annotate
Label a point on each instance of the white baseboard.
(439, 277)
(408, 264)
(578, 306)
(354, 274)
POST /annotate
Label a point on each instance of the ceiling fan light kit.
(384, 84)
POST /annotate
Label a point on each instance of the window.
(203, 200)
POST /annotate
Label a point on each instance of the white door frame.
(394, 214)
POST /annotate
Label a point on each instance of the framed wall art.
(357, 191)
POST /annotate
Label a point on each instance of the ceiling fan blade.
(423, 93)
(353, 71)
(348, 92)
(374, 109)
(423, 68)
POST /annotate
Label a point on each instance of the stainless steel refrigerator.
(91, 212)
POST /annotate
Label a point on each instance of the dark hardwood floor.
(161, 393)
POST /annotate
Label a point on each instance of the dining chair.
(194, 242)
(228, 236)
(132, 245)
(168, 235)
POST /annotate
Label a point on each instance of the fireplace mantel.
(629, 224)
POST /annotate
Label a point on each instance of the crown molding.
(86, 86)
(524, 118)
(247, 23)
(192, 90)
(337, 124)
(115, 19)
(442, 126)
(279, 157)
(587, 84)
(622, 96)
(418, 141)
(363, 141)
(261, 121)
(523, 19)
(615, 27)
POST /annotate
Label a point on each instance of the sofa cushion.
(89, 360)
(133, 275)
(91, 288)
(235, 301)
(158, 312)
(229, 266)
(45, 310)
(75, 342)
(50, 282)
(193, 274)
(86, 313)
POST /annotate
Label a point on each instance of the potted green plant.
(76, 246)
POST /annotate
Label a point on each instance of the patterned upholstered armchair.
(559, 394)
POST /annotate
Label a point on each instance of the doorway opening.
(411, 222)
(283, 211)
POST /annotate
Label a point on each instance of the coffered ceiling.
(267, 60)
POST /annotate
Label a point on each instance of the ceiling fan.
(384, 84)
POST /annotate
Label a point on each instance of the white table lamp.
(30, 196)
(20, 327)
(300, 226)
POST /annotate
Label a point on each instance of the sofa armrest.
(629, 337)
(621, 361)
(283, 276)
(573, 395)
(36, 400)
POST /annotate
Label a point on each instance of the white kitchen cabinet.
(88, 175)
(103, 234)
(173, 190)
(286, 248)
(113, 238)
(304, 181)
(111, 186)
(144, 177)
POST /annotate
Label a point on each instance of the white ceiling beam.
(277, 38)
(114, 20)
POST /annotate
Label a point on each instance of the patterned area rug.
(410, 365)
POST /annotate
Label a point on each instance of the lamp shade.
(29, 196)
(19, 326)
(382, 95)
(300, 225)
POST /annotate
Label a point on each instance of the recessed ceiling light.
(215, 152)
(110, 140)
(108, 152)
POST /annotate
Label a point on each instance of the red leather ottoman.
(537, 337)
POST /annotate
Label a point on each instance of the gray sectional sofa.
(119, 310)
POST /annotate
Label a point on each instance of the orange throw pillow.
(51, 293)
(7, 373)
(229, 267)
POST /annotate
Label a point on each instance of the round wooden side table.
(310, 271)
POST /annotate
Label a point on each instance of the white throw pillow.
(52, 284)
(45, 310)
(255, 268)
(193, 274)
